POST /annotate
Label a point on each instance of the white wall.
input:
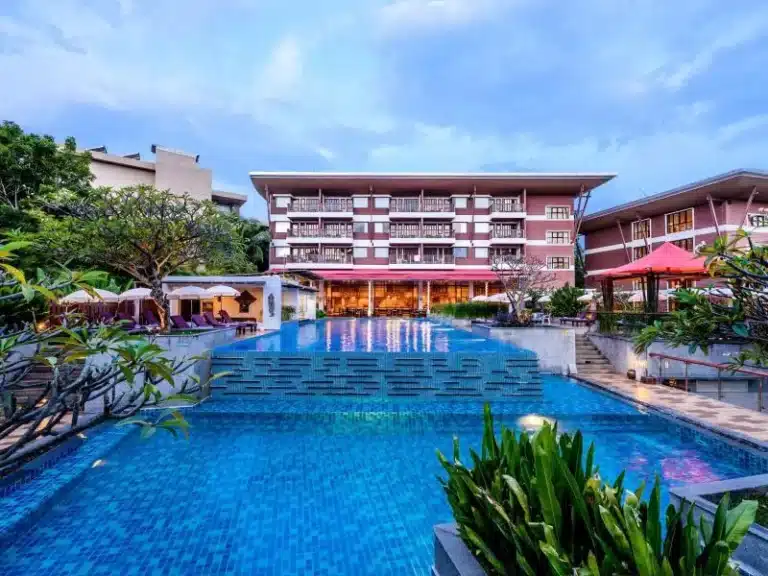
(271, 317)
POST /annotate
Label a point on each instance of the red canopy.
(385, 274)
(666, 260)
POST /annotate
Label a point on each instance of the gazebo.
(667, 261)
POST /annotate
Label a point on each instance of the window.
(381, 252)
(758, 220)
(481, 252)
(381, 202)
(558, 262)
(360, 252)
(459, 227)
(558, 237)
(360, 227)
(641, 229)
(639, 251)
(482, 228)
(679, 284)
(282, 251)
(482, 202)
(381, 227)
(685, 244)
(460, 203)
(282, 227)
(680, 221)
(459, 252)
(282, 201)
(558, 212)
(637, 285)
(360, 202)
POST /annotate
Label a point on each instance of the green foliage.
(564, 302)
(256, 239)
(537, 505)
(470, 309)
(34, 168)
(320, 314)
(288, 313)
(699, 321)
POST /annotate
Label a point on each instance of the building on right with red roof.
(688, 216)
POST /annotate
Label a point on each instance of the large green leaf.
(545, 490)
(641, 553)
(738, 522)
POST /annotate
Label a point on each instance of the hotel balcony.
(315, 208)
(421, 208)
(507, 208)
(506, 254)
(427, 234)
(415, 258)
(333, 259)
(507, 235)
(328, 234)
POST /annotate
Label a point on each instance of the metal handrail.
(720, 368)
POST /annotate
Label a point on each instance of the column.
(486, 289)
(370, 298)
(471, 292)
(321, 295)
(429, 295)
(421, 295)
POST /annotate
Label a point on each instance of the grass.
(759, 494)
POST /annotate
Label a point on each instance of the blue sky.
(661, 92)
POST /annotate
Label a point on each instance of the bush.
(537, 505)
(287, 313)
(470, 309)
(564, 302)
(320, 314)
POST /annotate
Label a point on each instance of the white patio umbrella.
(82, 297)
(481, 298)
(135, 294)
(501, 297)
(637, 297)
(588, 297)
(190, 293)
(546, 298)
(221, 290)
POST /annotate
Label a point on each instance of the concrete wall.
(555, 346)
(181, 174)
(117, 176)
(619, 351)
(272, 294)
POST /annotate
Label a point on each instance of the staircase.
(589, 360)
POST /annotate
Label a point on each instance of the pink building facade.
(420, 230)
(688, 216)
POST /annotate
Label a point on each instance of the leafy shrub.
(536, 505)
(470, 309)
(564, 301)
(320, 314)
(287, 313)
(506, 320)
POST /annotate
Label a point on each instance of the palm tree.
(256, 238)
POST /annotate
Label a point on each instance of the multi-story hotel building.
(378, 243)
(172, 170)
(688, 216)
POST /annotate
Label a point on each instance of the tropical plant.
(144, 233)
(564, 302)
(288, 313)
(741, 266)
(52, 373)
(320, 314)
(520, 276)
(256, 239)
(469, 309)
(537, 505)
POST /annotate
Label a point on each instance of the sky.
(660, 92)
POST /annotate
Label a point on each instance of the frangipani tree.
(521, 276)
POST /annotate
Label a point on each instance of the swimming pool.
(371, 335)
(319, 485)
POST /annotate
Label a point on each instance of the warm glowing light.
(98, 463)
(534, 421)
(41, 326)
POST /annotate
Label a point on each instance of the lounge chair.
(200, 321)
(179, 323)
(252, 325)
(150, 320)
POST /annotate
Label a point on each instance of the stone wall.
(619, 350)
(555, 346)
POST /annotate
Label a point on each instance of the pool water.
(327, 486)
(370, 335)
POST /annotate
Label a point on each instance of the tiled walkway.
(725, 418)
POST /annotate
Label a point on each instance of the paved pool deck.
(733, 421)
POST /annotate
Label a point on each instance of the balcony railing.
(506, 205)
(317, 232)
(416, 258)
(501, 255)
(420, 232)
(504, 232)
(314, 258)
(327, 205)
(421, 205)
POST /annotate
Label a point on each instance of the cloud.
(282, 74)
(400, 16)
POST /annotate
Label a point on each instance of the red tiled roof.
(667, 259)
